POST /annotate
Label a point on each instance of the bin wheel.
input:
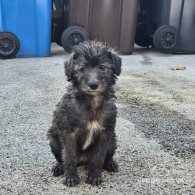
(166, 38)
(72, 36)
(9, 45)
(141, 38)
(57, 33)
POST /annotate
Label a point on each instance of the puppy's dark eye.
(102, 67)
(82, 69)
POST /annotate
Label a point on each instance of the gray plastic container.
(111, 21)
(168, 25)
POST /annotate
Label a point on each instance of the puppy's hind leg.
(110, 164)
(56, 150)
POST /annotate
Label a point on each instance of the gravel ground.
(155, 126)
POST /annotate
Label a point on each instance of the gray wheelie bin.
(111, 21)
(168, 25)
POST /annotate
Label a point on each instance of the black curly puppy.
(83, 126)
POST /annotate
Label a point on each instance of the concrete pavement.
(155, 126)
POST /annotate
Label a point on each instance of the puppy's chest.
(92, 129)
(91, 123)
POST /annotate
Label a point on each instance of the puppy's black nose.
(93, 85)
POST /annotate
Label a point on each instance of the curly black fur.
(83, 126)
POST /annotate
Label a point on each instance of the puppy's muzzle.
(94, 84)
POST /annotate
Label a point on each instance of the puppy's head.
(93, 67)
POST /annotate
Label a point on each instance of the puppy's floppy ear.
(69, 67)
(116, 62)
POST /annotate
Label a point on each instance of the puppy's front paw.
(94, 179)
(71, 181)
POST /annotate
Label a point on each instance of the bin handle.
(181, 15)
